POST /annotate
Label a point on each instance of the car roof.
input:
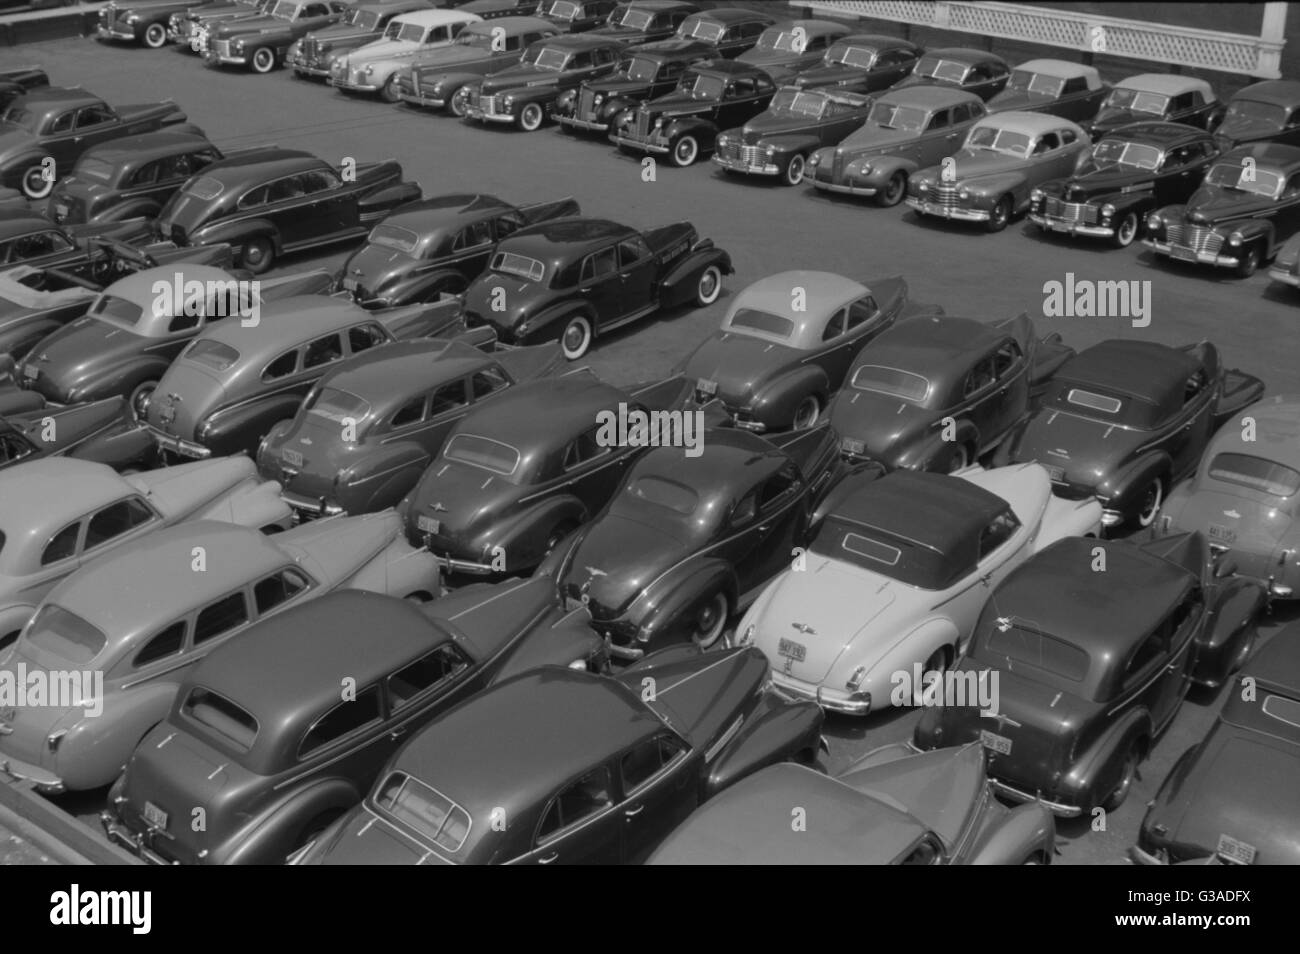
(658, 6)
(1063, 69)
(1027, 123)
(1144, 369)
(877, 40)
(513, 25)
(1167, 84)
(66, 488)
(1274, 156)
(261, 165)
(437, 17)
(1159, 134)
(967, 54)
(813, 27)
(938, 511)
(1280, 92)
(732, 462)
(286, 322)
(936, 345)
(133, 150)
(563, 239)
(565, 406)
(574, 42)
(49, 97)
(1277, 662)
(1276, 435)
(929, 97)
(387, 376)
(730, 15)
(138, 287)
(441, 210)
(825, 293)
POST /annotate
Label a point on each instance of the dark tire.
(807, 414)
(531, 117)
(388, 93)
(1000, 215)
(458, 103)
(155, 36)
(34, 184)
(710, 621)
(685, 150)
(1249, 262)
(576, 337)
(8, 639)
(938, 662)
(1127, 777)
(894, 190)
(792, 174)
(312, 830)
(139, 397)
(1126, 231)
(262, 60)
(1149, 508)
(958, 459)
(258, 255)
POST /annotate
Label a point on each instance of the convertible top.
(940, 512)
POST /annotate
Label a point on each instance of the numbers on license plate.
(1056, 473)
(792, 650)
(1231, 849)
(31, 372)
(291, 457)
(428, 524)
(707, 387)
(1220, 532)
(994, 742)
(349, 284)
(154, 816)
(853, 446)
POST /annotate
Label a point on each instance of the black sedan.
(976, 71)
(862, 63)
(645, 73)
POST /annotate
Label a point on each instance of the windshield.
(394, 27)
(475, 38)
(891, 381)
(364, 19)
(640, 68)
(424, 809)
(1245, 179)
(701, 86)
(635, 19)
(116, 311)
(231, 723)
(483, 452)
(545, 58)
(747, 320)
(64, 635)
(1117, 152)
(663, 493)
(563, 10)
(1139, 101)
(213, 354)
(1256, 473)
(881, 552)
(518, 266)
(204, 187)
(1102, 404)
(1028, 82)
(781, 40)
(398, 239)
(284, 10)
(1269, 113)
(1004, 141)
(697, 29)
(21, 117)
(338, 406)
(892, 116)
(411, 33)
(860, 56)
(950, 71)
(797, 101)
(88, 167)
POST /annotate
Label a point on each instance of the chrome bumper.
(740, 165)
(1285, 276)
(231, 60)
(844, 704)
(119, 834)
(353, 87)
(641, 144)
(309, 70)
(177, 446)
(1181, 253)
(474, 112)
(115, 34)
(1071, 228)
(1056, 808)
(46, 783)
(842, 189)
(582, 123)
(944, 212)
(1141, 857)
(415, 99)
(317, 507)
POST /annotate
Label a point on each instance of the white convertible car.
(896, 575)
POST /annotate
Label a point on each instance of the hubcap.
(574, 336)
(708, 284)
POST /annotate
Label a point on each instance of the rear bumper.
(1285, 276)
(174, 444)
(47, 783)
(318, 507)
(1071, 228)
(1060, 809)
(415, 99)
(106, 33)
(830, 700)
(122, 836)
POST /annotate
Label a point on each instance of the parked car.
(684, 124)
(294, 757)
(576, 16)
(17, 80)
(234, 382)
(525, 94)
(574, 279)
(143, 23)
(730, 31)
(143, 616)
(126, 340)
(1092, 665)
(505, 490)
(646, 21)
(314, 55)
(861, 63)
(403, 401)
(890, 807)
(897, 572)
(59, 514)
(918, 377)
(437, 245)
(261, 42)
(778, 141)
(1132, 172)
(1262, 112)
(102, 431)
(786, 48)
(1126, 420)
(689, 540)
(191, 29)
(643, 74)
(1242, 495)
(1230, 795)
(586, 768)
(280, 201)
(1058, 87)
(907, 130)
(374, 67)
(775, 367)
(1004, 158)
(1249, 202)
(57, 124)
(434, 78)
(976, 71)
(492, 9)
(1166, 97)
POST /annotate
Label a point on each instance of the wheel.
(388, 93)
(1116, 798)
(531, 117)
(709, 286)
(557, 535)
(458, 103)
(155, 37)
(576, 337)
(258, 254)
(263, 60)
(35, 185)
(959, 459)
(710, 621)
(1249, 261)
(894, 190)
(312, 830)
(1000, 215)
(1036, 859)
(140, 398)
(8, 639)
(685, 151)
(807, 413)
(793, 172)
(938, 664)
(1126, 231)
(419, 596)
(1152, 497)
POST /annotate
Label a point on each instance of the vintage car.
(375, 67)
(1126, 420)
(313, 56)
(1132, 172)
(143, 616)
(1004, 158)
(235, 381)
(576, 16)
(644, 73)
(1242, 496)
(689, 540)
(587, 769)
(130, 334)
(893, 806)
(61, 513)
(402, 402)
(790, 46)
(436, 245)
(144, 22)
(1232, 795)
(45, 131)
(775, 367)
(1167, 97)
(293, 755)
(574, 279)
(524, 94)
(1070, 90)
(279, 201)
(1092, 643)
(17, 80)
(261, 42)
(1262, 112)
(31, 245)
(861, 63)
(646, 21)
(191, 29)
(684, 124)
(906, 130)
(897, 572)
(976, 71)
(493, 9)
(913, 381)
(434, 78)
(504, 490)
(1248, 202)
(1286, 263)
(102, 431)
(798, 122)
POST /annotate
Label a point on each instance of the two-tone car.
(143, 23)
(861, 63)
(646, 21)
(191, 29)
(1164, 97)
(786, 48)
(313, 56)
(576, 16)
(976, 71)
(1261, 112)
(375, 67)
(1070, 90)
(102, 431)
(644, 73)
(261, 42)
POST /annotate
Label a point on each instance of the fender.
(677, 287)
(1237, 606)
(251, 504)
(1138, 201)
(550, 645)
(993, 187)
(556, 563)
(545, 320)
(119, 446)
(393, 195)
(523, 534)
(884, 167)
(451, 82)
(134, 208)
(791, 144)
(658, 610)
(269, 836)
(523, 95)
(704, 130)
(95, 750)
(241, 427)
(124, 378)
(776, 730)
(1028, 826)
(1254, 230)
(383, 477)
(678, 652)
(1119, 491)
(236, 234)
(1095, 770)
(399, 570)
(843, 488)
(412, 289)
(14, 617)
(15, 167)
(902, 653)
(926, 735)
(930, 450)
(775, 401)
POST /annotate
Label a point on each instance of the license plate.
(350, 284)
(1182, 254)
(1237, 852)
(291, 457)
(851, 445)
(705, 386)
(167, 415)
(1222, 533)
(428, 524)
(997, 743)
(154, 816)
(792, 650)
(1056, 473)
(31, 372)
(60, 209)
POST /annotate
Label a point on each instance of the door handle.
(985, 578)
(633, 812)
(397, 733)
(585, 290)
(764, 527)
(549, 858)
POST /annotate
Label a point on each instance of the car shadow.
(1084, 244)
(1189, 271)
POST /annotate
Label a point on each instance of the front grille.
(586, 105)
(837, 168)
(944, 195)
(751, 155)
(407, 85)
(1199, 238)
(1073, 212)
(642, 129)
(222, 47)
(309, 51)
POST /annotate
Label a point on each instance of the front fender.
(391, 196)
(415, 288)
(989, 190)
(269, 836)
(1026, 830)
(775, 402)
(236, 234)
(775, 731)
(1119, 491)
(131, 209)
(661, 608)
(791, 145)
(704, 130)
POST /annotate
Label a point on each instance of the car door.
(581, 824)
(737, 102)
(330, 204)
(657, 779)
(765, 542)
(1184, 625)
(942, 137)
(471, 248)
(593, 471)
(638, 270)
(436, 681)
(95, 124)
(1049, 159)
(59, 140)
(602, 286)
(837, 348)
(1011, 376)
(1196, 424)
(350, 741)
(281, 204)
(890, 67)
(116, 524)
(446, 405)
(986, 80)
(1181, 172)
(979, 395)
(41, 249)
(1183, 108)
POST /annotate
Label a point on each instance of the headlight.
(815, 160)
(769, 151)
(1153, 221)
(1107, 210)
(580, 664)
(923, 186)
(521, 328)
(370, 70)
(1036, 195)
(1235, 238)
(508, 102)
(724, 141)
(855, 679)
(963, 194)
(747, 636)
(133, 18)
(864, 169)
(598, 99)
(659, 123)
(239, 44)
(204, 430)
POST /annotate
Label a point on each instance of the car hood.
(1211, 205)
(14, 139)
(738, 363)
(617, 559)
(823, 75)
(1019, 99)
(1095, 181)
(189, 394)
(79, 351)
(1240, 129)
(368, 839)
(874, 137)
(618, 86)
(885, 425)
(246, 25)
(374, 267)
(442, 57)
(975, 163)
(678, 104)
(1109, 117)
(1085, 450)
(335, 549)
(774, 124)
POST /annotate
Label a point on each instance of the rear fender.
(1120, 490)
(250, 504)
(523, 535)
(400, 570)
(238, 233)
(271, 834)
(418, 288)
(1096, 771)
(677, 287)
(547, 319)
(390, 197)
(661, 611)
(776, 731)
(1024, 832)
(704, 131)
(775, 402)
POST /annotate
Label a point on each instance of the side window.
(940, 120)
(961, 113)
(253, 198)
(1068, 137)
(38, 244)
(409, 413)
(599, 264)
(320, 180)
(1149, 653)
(1006, 359)
(778, 489)
(584, 798)
(13, 448)
(62, 124)
(364, 337)
(282, 190)
(979, 74)
(744, 511)
(819, 42)
(1002, 528)
(472, 236)
(508, 224)
(442, 664)
(926, 853)
(981, 376)
(281, 366)
(862, 311)
(344, 719)
(646, 760)
(62, 545)
(742, 88)
(322, 351)
(449, 397)
(1075, 84)
(1294, 118)
(115, 520)
(580, 61)
(586, 447)
(221, 617)
(1196, 384)
(183, 323)
(167, 643)
(835, 327)
(632, 251)
(146, 174)
(487, 381)
(1046, 143)
(315, 10)
(91, 116)
(1184, 101)
(279, 587)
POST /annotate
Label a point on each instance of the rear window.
(878, 551)
(231, 723)
(213, 354)
(747, 319)
(424, 809)
(520, 266)
(65, 635)
(390, 236)
(1043, 652)
(119, 311)
(891, 381)
(1256, 473)
(88, 167)
(337, 406)
(1094, 402)
(204, 187)
(665, 493)
(483, 452)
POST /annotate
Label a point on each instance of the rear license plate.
(1222, 533)
(60, 209)
(792, 650)
(291, 457)
(994, 742)
(428, 524)
(1182, 254)
(154, 816)
(1056, 473)
(705, 386)
(167, 415)
(31, 372)
(350, 284)
(851, 445)
(1237, 852)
